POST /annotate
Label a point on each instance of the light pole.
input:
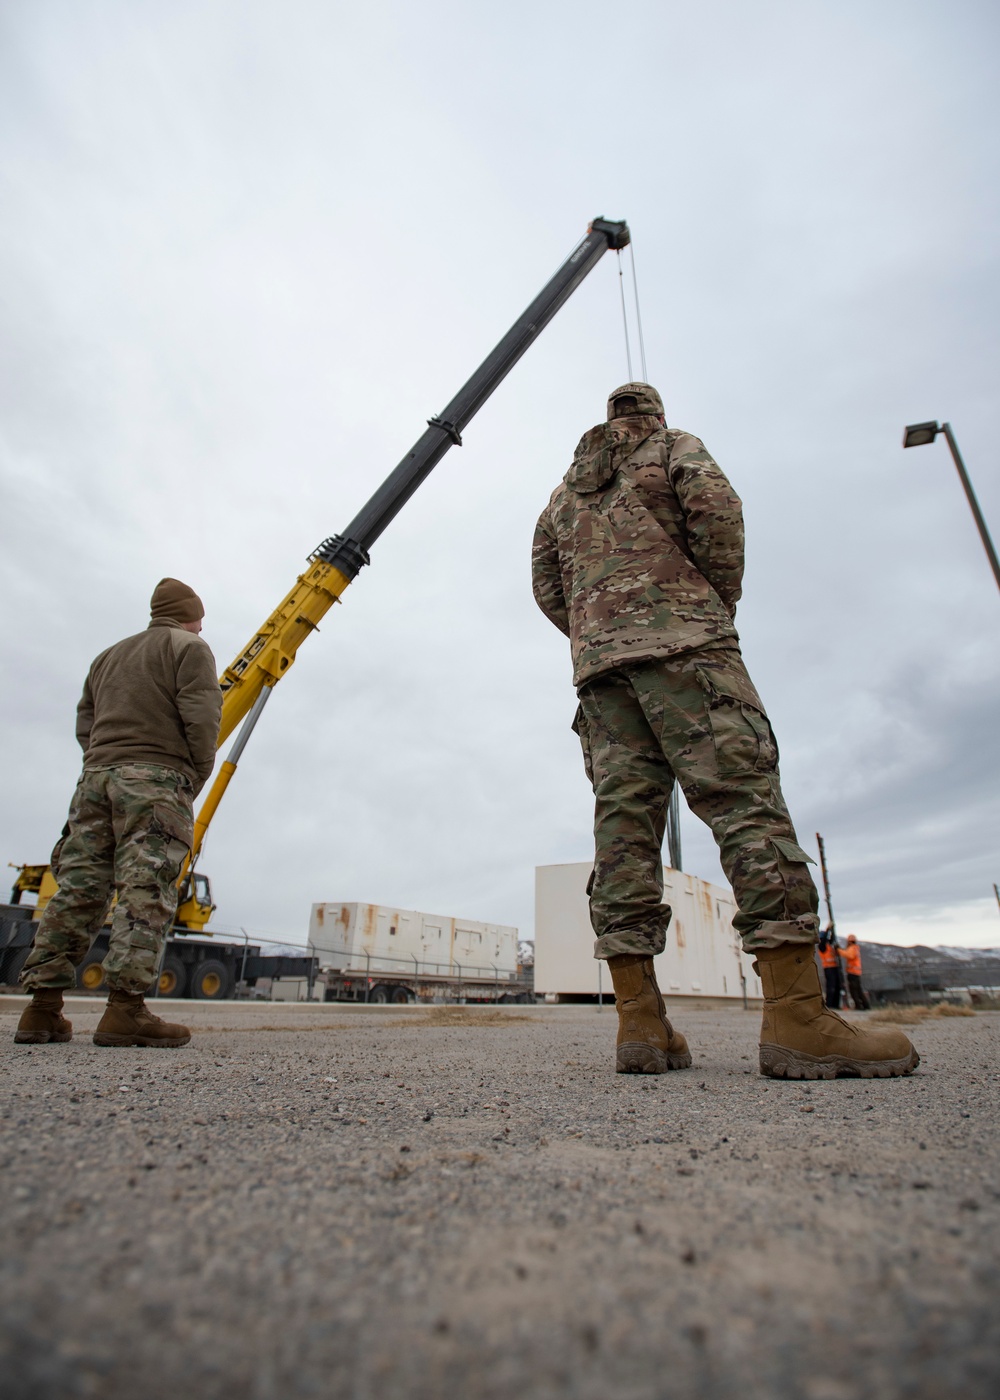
(917, 435)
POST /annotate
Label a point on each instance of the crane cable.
(621, 288)
(638, 313)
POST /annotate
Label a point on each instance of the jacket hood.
(602, 450)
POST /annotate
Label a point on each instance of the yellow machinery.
(34, 879)
(247, 681)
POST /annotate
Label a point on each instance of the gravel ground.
(381, 1203)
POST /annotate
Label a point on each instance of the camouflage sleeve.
(546, 577)
(199, 703)
(85, 715)
(713, 515)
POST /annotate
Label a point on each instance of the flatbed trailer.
(206, 969)
(376, 987)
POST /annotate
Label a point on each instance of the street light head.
(918, 434)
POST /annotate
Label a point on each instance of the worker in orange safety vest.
(852, 966)
(830, 963)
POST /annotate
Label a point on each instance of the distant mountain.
(907, 973)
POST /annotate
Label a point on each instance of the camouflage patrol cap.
(646, 397)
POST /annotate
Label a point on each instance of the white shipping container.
(703, 956)
(292, 989)
(380, 939)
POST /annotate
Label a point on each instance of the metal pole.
(674, 826)
(826, 884)
(832, 922)
(977, 514)
(246, 944)
(225, 773)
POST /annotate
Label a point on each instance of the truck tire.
(401, 994)
(378, 996)
(211, 980)
(173, 977)
(90, 974)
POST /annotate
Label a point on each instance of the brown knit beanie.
(173, 600)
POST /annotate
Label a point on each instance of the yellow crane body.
(268, 655)
(273, 647)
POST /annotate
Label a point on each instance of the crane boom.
(335, 563)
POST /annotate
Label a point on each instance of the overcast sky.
(247, 249)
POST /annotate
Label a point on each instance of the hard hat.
(647, 400)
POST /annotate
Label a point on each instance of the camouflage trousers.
(128, 832)
(696, 718)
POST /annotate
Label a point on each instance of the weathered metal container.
(377, 938)
(703, 957)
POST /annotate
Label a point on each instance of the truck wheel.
(90, 974)
(400, 994)
(173, 977)
(378, 996)
(211, 980)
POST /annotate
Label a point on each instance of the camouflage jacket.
(639, 553)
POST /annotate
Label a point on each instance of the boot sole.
(646, 1059)
(777, 1062)
(104, 1038)
(41, 1038)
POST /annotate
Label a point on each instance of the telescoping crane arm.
(248, 680)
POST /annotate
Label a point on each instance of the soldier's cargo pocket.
(176, 831)
(792, 866)
(581, 729)
(791, 851)
(741, 731)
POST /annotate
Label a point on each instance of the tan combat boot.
(42, 1020)
(647, 1042)
(129, 1021)
(801, 1039)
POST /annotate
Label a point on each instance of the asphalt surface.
(400, 1203)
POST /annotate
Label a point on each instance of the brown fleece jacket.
(153, 698)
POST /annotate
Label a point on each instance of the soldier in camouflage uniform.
(147, 722)
(638, 559)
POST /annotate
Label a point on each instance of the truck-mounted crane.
(248, 680)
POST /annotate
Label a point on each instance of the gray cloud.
(248, 250)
